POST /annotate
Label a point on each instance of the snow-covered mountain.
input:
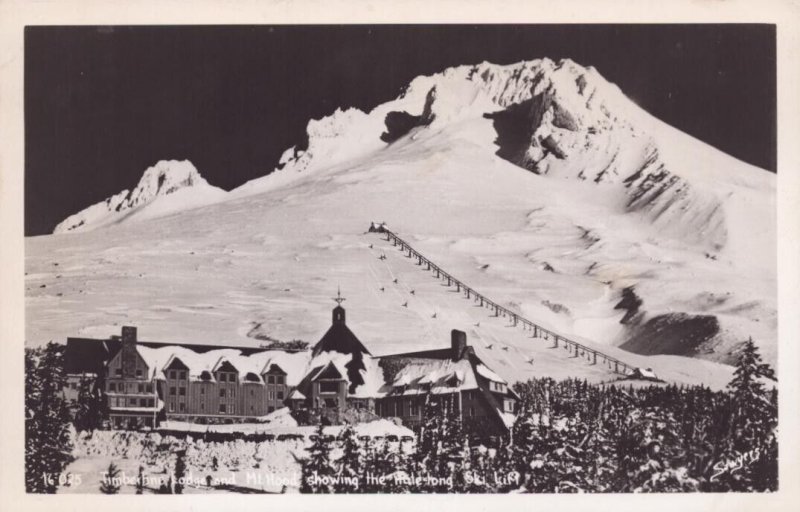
(169, 186)
(538, 183)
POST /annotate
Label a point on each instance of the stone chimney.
(458, 344)
(129, 353)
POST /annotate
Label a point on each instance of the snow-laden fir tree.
(442, 447)
(92, 408)
(318, 468)
(749, 394)
(47, 419)
(351, 463)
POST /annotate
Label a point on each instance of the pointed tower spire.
(339, 299)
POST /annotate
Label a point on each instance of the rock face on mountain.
(540, 182)
(167, 187)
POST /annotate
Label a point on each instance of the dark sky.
(104, 103)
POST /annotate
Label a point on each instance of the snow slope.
(167, 187)
(538, 184)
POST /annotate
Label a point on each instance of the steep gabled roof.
(87, 355)
(328, 371)
(340, 338)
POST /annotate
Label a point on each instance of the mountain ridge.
(539, 181)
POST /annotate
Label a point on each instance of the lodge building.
(148, 382)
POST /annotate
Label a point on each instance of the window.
(148, 388)
(328, 386)
(119, 372)
(138, 372)
(171, 407)
(509, 405)
(222, 393)
(330, 402)
(171, 374)
(140, 388)
(280, 395)
(414, 409)
(202, 390)
(202, 406)
(222, 377)
(271, 395)
(496, 386)
(251, 392)
(182, 391)
(172, 390)
(182, 406)
(150, 402)
(270, 379)
(222, 408)
(112, 386)
(279, 379)
(182, 375)
(252, 408)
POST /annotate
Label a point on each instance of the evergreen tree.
(48, 442)
(351, 464)
(92, 408)
(180, 471)
(317, 466)
(109, 485)
(442, 447)
(748, 390)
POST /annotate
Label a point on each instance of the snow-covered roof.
(488, 374)
(421, 375)
(371, 374)
(157, 359)
(296, 395)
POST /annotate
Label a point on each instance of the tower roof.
(340, 338)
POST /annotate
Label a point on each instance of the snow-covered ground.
(229, 466)
(689, 230)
